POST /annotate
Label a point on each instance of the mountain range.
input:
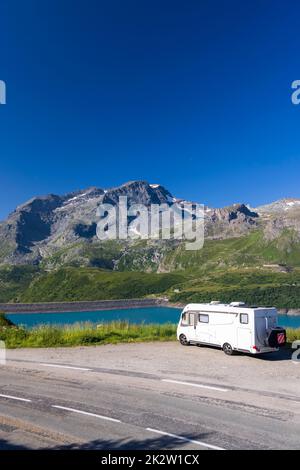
(54, 231)
(49, 251)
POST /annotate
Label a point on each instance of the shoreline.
(82, 306)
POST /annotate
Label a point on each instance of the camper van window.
(185, 319)
(244, 318)
(203, 318)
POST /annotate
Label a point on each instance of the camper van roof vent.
(215, 302)
(237, 304)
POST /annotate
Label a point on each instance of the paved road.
(148, 396)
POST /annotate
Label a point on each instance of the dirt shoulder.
(270, 373)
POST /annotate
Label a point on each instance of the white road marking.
(219, 389)
(14, 398)
(181, 438)
(64, 367)
(107, 418)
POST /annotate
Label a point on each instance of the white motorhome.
(232, 327)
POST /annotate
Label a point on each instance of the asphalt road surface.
(148, 396)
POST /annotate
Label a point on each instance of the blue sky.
(194, 95)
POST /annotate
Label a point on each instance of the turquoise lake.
(133, 315)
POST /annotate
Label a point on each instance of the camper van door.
(193, 326)
(244, 332)
(203, 328)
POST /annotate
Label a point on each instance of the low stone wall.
(90, 306)
(85, 306)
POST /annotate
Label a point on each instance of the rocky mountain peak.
(92, 191)
(233, 212)
(281, 206)
(41, 203)
(139, 192)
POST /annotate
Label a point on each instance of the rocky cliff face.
(281, 216)
(62, 229)
(25, 234)
(43, 225)
(230, 221)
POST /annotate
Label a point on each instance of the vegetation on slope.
(14, 280)
(30, 284)
(278, 296)
(4, 321)
(251, 250)
(85, 335)
(225, 270)
(254, 286)
(70, 284)
(90, 335)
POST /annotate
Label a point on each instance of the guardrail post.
(2, 353)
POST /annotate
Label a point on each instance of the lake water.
(133, 315)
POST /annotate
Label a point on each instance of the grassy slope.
(251, 250)
(85, 335)
(78, 254)
(31, 284)
(233, 269)
(254, 286)
(68, 284)
(225, 270)
(15, 280)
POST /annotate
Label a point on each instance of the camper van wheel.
(183, 340)
(227, 348)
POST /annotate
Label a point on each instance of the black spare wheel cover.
(277, 337)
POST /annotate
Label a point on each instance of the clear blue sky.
(193, 94)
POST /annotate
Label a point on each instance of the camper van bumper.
(262, 350)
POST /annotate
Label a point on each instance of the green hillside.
(245, 268)
(252, 250)
(15, 280)
(254, 286)
(70, 284)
